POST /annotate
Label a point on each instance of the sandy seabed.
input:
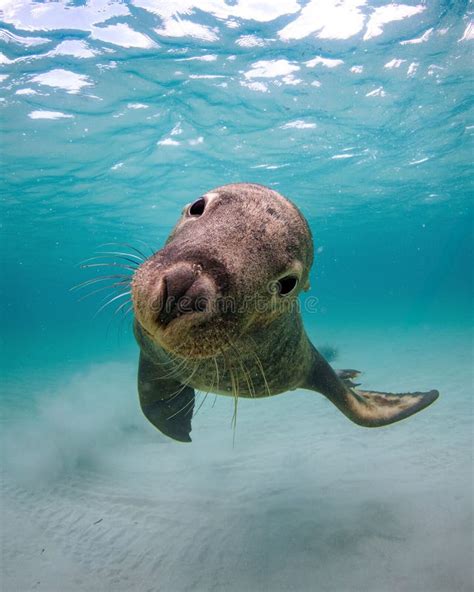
(94, 499)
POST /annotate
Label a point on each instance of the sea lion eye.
(197, 208)
(286, 284)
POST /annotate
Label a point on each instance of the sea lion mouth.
(191, 337)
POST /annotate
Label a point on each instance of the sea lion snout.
(184, 289)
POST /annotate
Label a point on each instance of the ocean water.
(115, 115)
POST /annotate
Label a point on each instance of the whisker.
(174, 371)
(101, 289)
(180, 390)
(102, 278)
(187, 404)
(130, 308)
(128, 245)
(177, 392)
(201, 404)
(112, 300)
(123, 319)
(174, 358)
(245, 371)
(217, 372)
(182, 386)
(101, 256)
(235, 392)
(124, 271)
(121, 307)
(211, 388)
(179, 365)
(197, 364)
(260, 365)
(120, 254)
(216, 363)
(109, 264)
(152, 251)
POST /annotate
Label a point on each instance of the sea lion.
(216, 310)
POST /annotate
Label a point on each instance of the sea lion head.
(236, 260)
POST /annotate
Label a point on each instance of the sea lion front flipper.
(366, 408)
(166, 403)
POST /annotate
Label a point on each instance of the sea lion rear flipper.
(166, 403)
(366, 408)
(373, 409)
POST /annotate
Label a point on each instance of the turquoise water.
(115, 115)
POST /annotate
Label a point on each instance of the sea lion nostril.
(184, 290)
(178, 282)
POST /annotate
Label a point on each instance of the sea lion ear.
(306, 287)
(166, 403)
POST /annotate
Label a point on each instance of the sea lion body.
(217, 310)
